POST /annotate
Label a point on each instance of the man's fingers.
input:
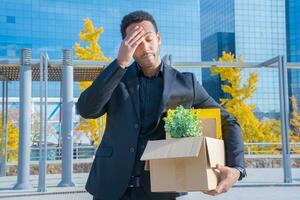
(225, 184)
(136, 44)
(211, 192)
(133, 31)
(137, 39)
(220, 167)
(133, 35)
(222, 186)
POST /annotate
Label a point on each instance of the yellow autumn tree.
(89, 34)
(253, 130)
(295, 120)
(92, 51)
(12, 142)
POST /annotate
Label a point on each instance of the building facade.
(293, 45)
(254, 30)
(53, 25)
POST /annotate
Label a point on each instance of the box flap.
(213, 113)
(172, 148)
(216, 151)
(209, 127)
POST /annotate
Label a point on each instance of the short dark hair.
(136, 17)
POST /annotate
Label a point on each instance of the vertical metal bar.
(60, 110)
(67, 120)
(41, 158)
(4, 127)
(25, 121)
(42, 142)
(5, 124)
(249, 151)
(46, 59)
(284, 118)
(3, 148)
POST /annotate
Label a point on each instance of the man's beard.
(149, 64)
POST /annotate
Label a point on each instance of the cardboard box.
(186, 164)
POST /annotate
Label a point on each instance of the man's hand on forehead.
(142, 28)
(129, 44)
(131, 31)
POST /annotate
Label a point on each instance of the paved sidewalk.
(261, 184)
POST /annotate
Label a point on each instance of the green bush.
(182, 123)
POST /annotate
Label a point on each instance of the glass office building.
(293, 45)
(53, 25)
(254, 30)
(258, 30)
(293, 30)
(217, 35)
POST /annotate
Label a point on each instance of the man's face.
(147, 53)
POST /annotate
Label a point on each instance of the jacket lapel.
(133, 86)
(132, 83)
(169, 77)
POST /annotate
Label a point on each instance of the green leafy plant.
(182, 122)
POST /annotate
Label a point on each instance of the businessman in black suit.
(136, 97)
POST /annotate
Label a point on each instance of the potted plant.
(182, 122)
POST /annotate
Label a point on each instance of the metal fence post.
(25, 121)
(67, 120)
(284, 117)
(4, 127)
(43, 122)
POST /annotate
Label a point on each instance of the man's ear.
(158, 38)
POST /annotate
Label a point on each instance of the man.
(135, 97)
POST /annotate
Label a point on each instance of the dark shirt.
(151, 89)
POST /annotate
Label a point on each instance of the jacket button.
(131, 149)
(136, 126)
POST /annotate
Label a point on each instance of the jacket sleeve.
(231, 131)
(92, 102)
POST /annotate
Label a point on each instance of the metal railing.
(270, 148)
(55, 153)
(88, 151)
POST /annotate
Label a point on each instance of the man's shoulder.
(189, 74)
(184, 75)
(180, 73)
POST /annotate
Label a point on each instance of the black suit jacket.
(116, 92)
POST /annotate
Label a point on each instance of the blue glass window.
(11, 19)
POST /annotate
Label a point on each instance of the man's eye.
(149, 39)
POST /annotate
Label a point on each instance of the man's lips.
(147, 55)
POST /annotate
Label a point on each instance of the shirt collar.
(160, 72)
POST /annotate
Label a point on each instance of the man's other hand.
(229, 176)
